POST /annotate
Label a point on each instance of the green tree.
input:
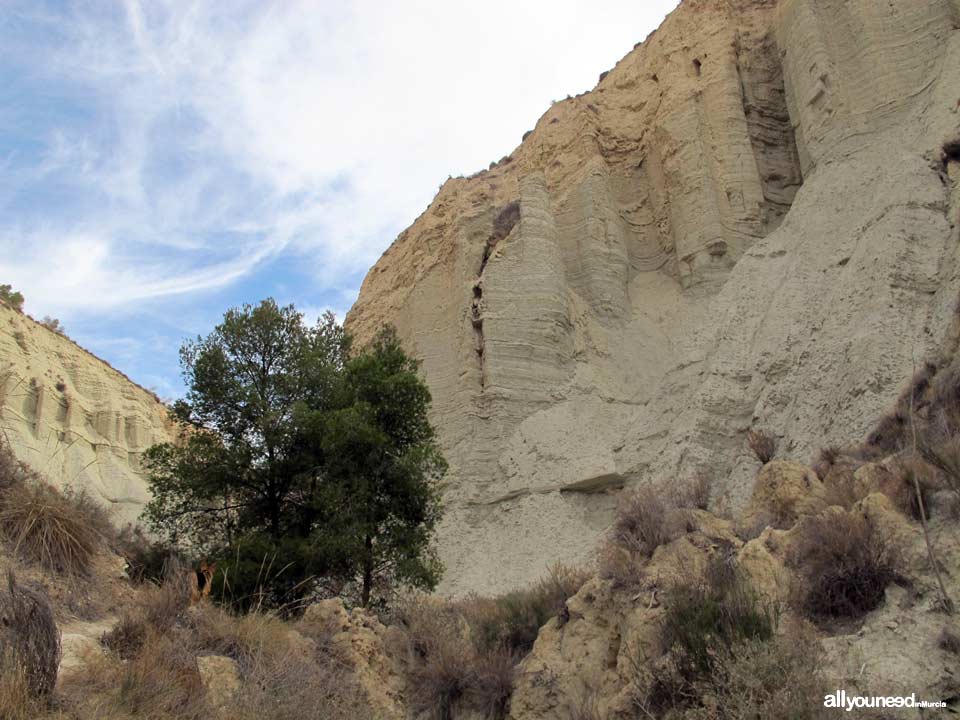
(10, 297)
(298, 465)
(384, 465)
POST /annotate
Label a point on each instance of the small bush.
(441, 669)
(780, 678)
(49, 528)
(826, 460)
(52, 324)
(493, 676)
(938, 441)
(844, 566)
(712, 614)
(161, 681)
(11, 298)
(513, 620)
(695, 492)
(763, 445)
(641, 524)
(840, 485)
(60, 530)
(463, 656)
(158, 610)
(29, 638)
(291, 687)
(585, 706)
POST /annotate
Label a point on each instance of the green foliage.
(300, 467)
(711, 615)
(10, 297)
(513, 620)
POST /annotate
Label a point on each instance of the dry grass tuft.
(62, 531)
(763, 445)
(292, 687)
(781, 678)
(29, 637)
(494, 673)
(160, 682)
(49, 528)
(844, 566)
(695, 492)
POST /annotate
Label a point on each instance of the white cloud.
(226, 134)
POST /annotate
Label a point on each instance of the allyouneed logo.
(840, 699)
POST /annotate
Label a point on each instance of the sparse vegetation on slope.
(61, 531)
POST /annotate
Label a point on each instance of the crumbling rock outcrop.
(751, 220)
(74, 418)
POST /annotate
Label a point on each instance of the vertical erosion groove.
(504, 222)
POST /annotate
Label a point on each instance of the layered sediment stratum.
(750, 221)
(75, 419)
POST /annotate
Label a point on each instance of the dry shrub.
(16, 700)
(252, 639)
(909, 473)
(147, 560)
(647, 518)
(641, 524)
(292, 687)
(938, 442)
(29, 637)
(825, 461)
(464, 655)
(585, 706)
(160, 682)
(49, 528)
(13, 473)
(621, 567)
(695, 492)
(949, 640)
(62, 531)
(708, 614)
(890, 434)
(494, 673)
(158, 609)
(840, 485)
(844, 566)
(513, 620)
(763, 445)
(780, 678)
(706, 618)
(441, 663)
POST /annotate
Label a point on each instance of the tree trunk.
(367, 570)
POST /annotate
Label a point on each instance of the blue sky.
(163, 160)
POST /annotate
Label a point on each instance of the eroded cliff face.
(750, 221)
(73, 418)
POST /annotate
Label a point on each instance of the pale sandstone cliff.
(751, 220)
(75, 419)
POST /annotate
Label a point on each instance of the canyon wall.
(751, 221)
(75, 419)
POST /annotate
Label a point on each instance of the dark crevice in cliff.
(771, 132)
(507, 217)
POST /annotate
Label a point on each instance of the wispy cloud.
(156, 150)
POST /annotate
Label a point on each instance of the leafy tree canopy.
(303, 468)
